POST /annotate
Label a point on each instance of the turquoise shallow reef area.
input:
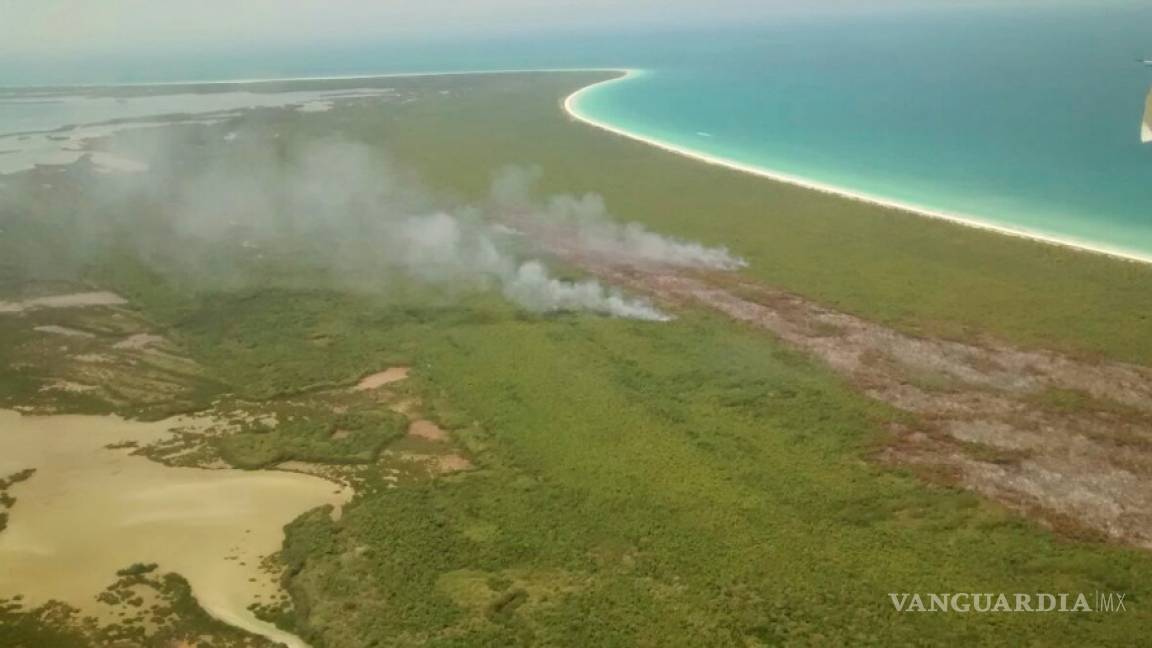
(1025, 120)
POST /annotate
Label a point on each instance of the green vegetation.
(49, 625)
(74, 360)
(151, 610)
(921, 275)
(137, 569)
(684, 483)
(351, 438)
(7, 501)
(16, 478)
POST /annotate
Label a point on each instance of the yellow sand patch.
(378, 380)
(427, 430)
(452, 463)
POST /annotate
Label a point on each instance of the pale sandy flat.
(452, 463)
(427, 430)
(379, 379)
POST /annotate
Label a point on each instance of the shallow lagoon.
(90, 510)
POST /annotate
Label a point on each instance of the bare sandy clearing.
(427, 430)
(452, 463)
(386, 377)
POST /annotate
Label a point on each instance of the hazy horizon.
(347, 323)
(70, 41)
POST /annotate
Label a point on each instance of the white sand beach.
(572, 107)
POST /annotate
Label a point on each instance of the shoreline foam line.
(572, 108)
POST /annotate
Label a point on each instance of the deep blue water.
(1026, 117)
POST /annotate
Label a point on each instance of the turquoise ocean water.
(1022, 117)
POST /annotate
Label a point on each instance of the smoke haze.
(353, 215)
(586, 227)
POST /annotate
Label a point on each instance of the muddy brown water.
(89, 511)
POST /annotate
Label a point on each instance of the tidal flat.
(704, 480)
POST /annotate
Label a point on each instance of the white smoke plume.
(531, 287)
(582, 224)
(347, 209)
(351, 213)
(440, 247)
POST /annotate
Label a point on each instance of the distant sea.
(1022, 117)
